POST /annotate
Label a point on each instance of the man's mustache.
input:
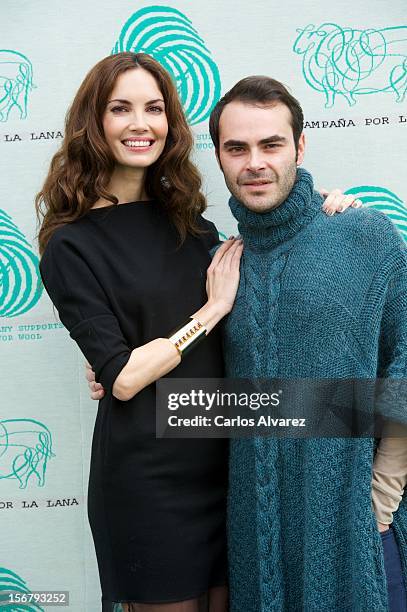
(254, 176)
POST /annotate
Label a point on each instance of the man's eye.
(236, 149)
(271, 145)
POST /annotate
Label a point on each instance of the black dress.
(156, 506)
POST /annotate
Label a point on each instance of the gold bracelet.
(188, 336)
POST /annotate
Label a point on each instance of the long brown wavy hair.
(80, 171)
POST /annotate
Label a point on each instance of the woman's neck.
(127, 184)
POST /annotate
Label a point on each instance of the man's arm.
(390, 463)
(389, 477)
(97, 392)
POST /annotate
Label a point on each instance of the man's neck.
(264, 231)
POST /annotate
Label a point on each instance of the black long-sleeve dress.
(156, 506)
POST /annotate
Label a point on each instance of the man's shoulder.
(366, 217)
(369, 226)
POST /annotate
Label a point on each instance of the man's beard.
(282, 186)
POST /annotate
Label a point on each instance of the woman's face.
(134, 122)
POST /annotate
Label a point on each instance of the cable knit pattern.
(319, 297)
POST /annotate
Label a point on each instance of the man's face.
(257, 153)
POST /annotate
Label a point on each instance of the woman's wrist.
(187, 336)
(211, 313)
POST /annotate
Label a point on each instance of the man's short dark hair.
(261, 90)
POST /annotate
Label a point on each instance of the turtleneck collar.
(262, 231)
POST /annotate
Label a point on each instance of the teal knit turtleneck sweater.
(319, 297)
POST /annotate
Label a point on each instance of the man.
(319, 297)
(302, 533)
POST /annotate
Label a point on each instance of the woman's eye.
(155, 109)
(118, 109)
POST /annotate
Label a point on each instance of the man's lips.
(257, 183)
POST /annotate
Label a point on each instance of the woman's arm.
(336, 201)
(151, 361)
(86, 312)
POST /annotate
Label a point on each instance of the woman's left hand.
(336, 201)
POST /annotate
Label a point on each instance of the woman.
(125, 255)
(124, 259)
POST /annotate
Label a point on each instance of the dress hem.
(195, 595)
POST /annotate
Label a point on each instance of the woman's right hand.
(222, 279)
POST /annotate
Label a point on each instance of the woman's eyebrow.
(118, 100)
(128, 102)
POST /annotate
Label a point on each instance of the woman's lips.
(138, 148)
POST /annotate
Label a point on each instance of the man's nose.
(255, 161)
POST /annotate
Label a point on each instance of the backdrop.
(348, 67)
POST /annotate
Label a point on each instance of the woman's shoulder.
(210, 234)
(69, 236)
